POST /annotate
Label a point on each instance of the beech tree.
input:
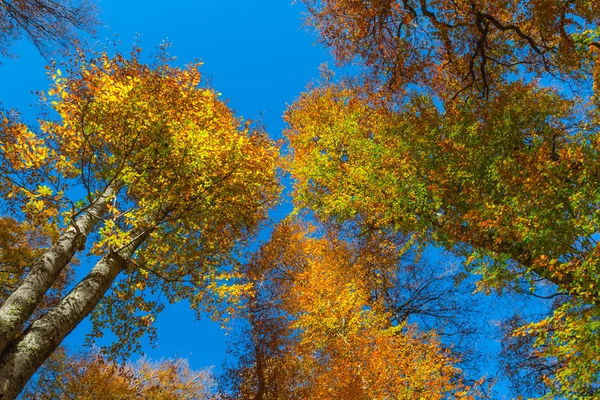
(44, 22)
(148, 171)
(20, 244)
(452, 48)
(320, 326)
(474, 126)
(512, 188)
(90, 375)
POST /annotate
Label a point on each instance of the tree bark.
(27, 353)
(21, 304)
(260, 373)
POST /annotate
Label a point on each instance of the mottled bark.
(21, 304)
(27, 353)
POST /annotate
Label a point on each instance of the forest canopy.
(453, 165)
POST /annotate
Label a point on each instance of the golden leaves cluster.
(189, 177)
(321, 332)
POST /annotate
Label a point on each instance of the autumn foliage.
(458, 131)
(447, 48)
(471, 127)
(90, 375)
(155, 172)
(321, 327)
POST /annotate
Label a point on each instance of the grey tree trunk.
(21, 304)
(27, 353)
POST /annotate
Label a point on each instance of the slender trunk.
(260, 373)
(23, 356)
(21, 304)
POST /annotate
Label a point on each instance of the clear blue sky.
(258, 55)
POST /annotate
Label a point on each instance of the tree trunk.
(21, 304)
(260, 373)
(27, 353)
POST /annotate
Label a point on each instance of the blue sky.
(258, 55)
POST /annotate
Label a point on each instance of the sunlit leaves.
(511, 182)
(191, 174)
(189, 177)
(569, 339)
(494, 177)
(90, 376)
(322, 329)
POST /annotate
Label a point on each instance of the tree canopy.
(156, 172)
(322, 323)
(448, 48)
(467, 130)
(457, 132)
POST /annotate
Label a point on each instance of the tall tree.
(474, 125)
(319, 326)
(152, 169)
(512, 185)
(46, 23)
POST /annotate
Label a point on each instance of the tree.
(44, 22)
(449, 48)
(319, 327)
(474, 126)
(90, 376)
(262, 369)
(467, 175)
(20, 244)
(512, 187)
(151, 168)
(523, 365)
(557, 356)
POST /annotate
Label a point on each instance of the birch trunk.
(27, 353)
(21, 304)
